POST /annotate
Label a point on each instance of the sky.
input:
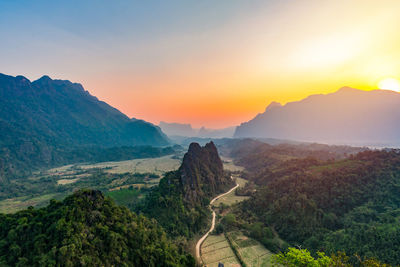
(209, 63)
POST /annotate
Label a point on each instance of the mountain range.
(347, 116)
(41, 119)
(186, 130)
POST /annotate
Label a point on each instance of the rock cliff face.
(202, 174)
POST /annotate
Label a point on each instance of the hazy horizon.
(206, 63)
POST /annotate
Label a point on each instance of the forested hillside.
(43, 122)
(329, 203)
(86, 229)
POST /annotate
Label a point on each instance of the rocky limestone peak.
(202, 173)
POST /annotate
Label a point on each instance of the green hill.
(86, 229)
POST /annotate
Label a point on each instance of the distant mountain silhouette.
(216, 133)
(186, 130)
(177, 129)
(348, 116)
(39, 118)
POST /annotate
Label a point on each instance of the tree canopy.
(86, 229)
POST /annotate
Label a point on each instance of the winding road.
(201, 240)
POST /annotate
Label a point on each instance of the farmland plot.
(252, 252)
(216, 249)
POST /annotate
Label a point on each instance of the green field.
(216, 249)
(229, 165)
(107, 176)
(251, 251)
(231, 198)
(158, 166)
(125, 197)
(15, 204)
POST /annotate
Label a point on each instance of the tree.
(302, 257)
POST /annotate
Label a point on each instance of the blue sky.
(37, 33)
(212, 63)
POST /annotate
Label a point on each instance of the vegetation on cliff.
(180, 201)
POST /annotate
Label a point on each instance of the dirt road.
(201, 240)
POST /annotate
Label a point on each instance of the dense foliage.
(301, 257)
(350, 205)
(294, 257)
(265, 162)
(166, 204)
(85, 229)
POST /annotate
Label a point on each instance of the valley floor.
(56, 183)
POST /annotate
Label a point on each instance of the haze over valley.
(200, 133)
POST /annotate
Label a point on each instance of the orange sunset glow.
(224, 65)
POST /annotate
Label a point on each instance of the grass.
(216, 249)
(231, 198)
(229, 165)
(124, 196)
(107, 176)
(252, 252)
(67, 181)
(256, 256)
(12, 205)
(158, 166)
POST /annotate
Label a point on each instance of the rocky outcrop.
(202, 174)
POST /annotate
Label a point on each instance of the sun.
(389, 84)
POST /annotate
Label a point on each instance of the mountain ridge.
(347, 116)
(67, 100)
(40, 118)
